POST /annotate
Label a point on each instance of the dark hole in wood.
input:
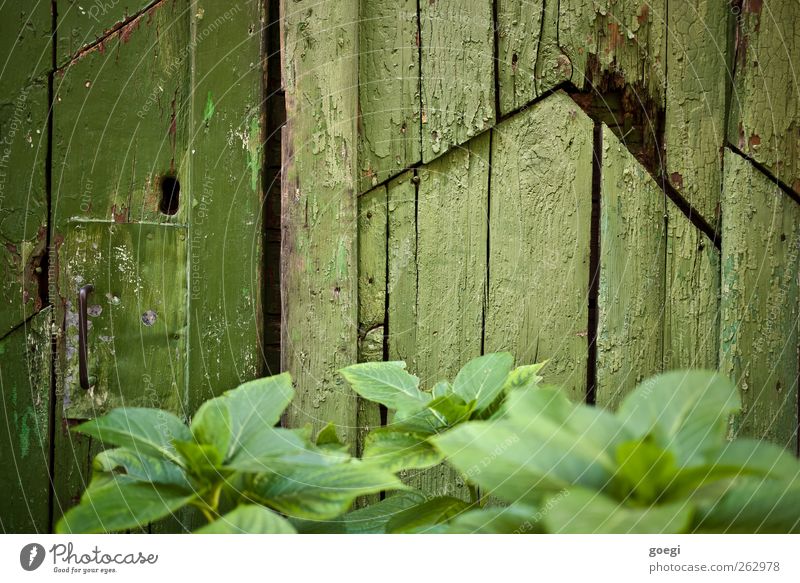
(170, 195)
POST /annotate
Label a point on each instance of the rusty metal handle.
(83, 329)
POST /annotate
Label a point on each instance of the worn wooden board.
(691, 307)
(457, 48)
(119, 123)
(388, 90)
(25, 45)
(82, 23)
(23, 203)
(764, 119)
(540, 213)
(25, 366)
(760, 309)
(697, 69)
(225, 155)
(622, 37)
(630, 299)
(318, 255)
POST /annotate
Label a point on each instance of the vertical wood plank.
(458, 99)
(694, 128)
(319, 269)
(691, 319)
(765, 105)
(630, 299)
(760, 309)
(25, 361)
(225, 154)
(388, 88)
(541, 197)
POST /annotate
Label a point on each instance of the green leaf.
(327, 437)
(514, 519)
(686, 411)
(203, 461)
(482, 379)
(120, 504)
(395, 450)
(523, 377)
(644, 470)
(371, 519)
(139, 467)
(441, 389)
(270, 449)
(249, 519)
(145, 431)
(319, 492)
(451, 409)
(423, 517)
(579, 511)
(244, 414)
(386, 383)
(750, 506)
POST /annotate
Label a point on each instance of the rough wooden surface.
(697, 77)
(25, 44)
(318, 256)
(764, 120)
(632, 259)
(25, 426)
(541, 196)
(81, 23)
(760, 310)
(458, 100)
(388, 88)
(224, 153)
(691, 308)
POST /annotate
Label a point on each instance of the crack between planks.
(594, 263)
(485, 302)
(787, 190)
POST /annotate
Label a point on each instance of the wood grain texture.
(26, 43)
(318, 257)
(764, 120)
(541, 196)
(760, 310)
(388, 90)
(697, 76)
(25, 426)
(630, 299)
(691, 318)
(458, 100)
(81, 23)
(225, 154)
(623, 37)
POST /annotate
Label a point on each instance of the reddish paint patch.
(753, 6)
(796, 185)
(615, 38)
(754, 140)
(119, 216)
(644, 13)
(677, 179)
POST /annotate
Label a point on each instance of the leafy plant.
(232, 463)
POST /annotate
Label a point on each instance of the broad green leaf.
(451, 409)
(523, 377)
(514, 519)
(395, 450)
(386, 383)
(750, 505)
(686, 411)
(146, 431)
(425, 516)
(482, 379)
(579, 511)
(120, 504)
(249, 519)
(441, 389)
(644, 470)
(320, 492)
(204, 461)
(425, 421)
(369, 520)
(327, 437)
(270, 449)
(211, 425)
(140, 467)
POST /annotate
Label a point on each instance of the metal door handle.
(83, 328)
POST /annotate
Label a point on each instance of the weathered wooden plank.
(458, 100)
(319, 269)
(226, 158)
(388, 89)
(760, 308)
(23, 203)
(25, 428)
(100, 172)
(25, 45)
(81, 23)
(622, 37)
(541, 199)
(764, 121)
(691, 318)
(630, 299)
(694, 128)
